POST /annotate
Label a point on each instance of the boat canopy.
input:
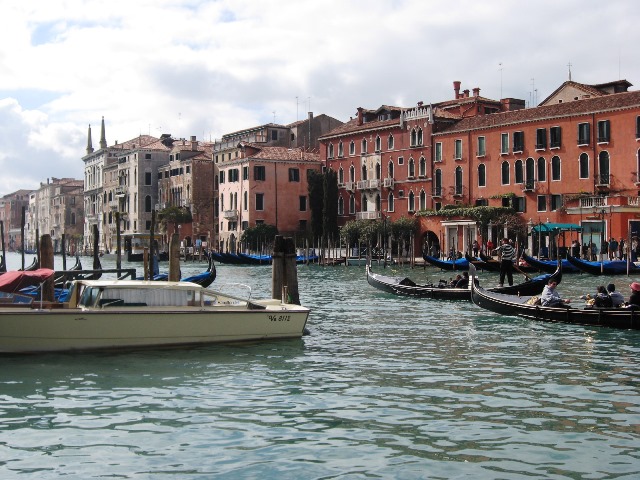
(555, 228)
(13, 281)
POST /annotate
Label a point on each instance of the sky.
(210, 67)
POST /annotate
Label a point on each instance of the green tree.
(315, 182)
(259, 236)
(175, 216)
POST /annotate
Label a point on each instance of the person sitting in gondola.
(464, 281)
(550, 296)
(602, 298)
(616, 297)
(454, 281)
(634, 298)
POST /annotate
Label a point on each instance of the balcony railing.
(367, 215)
(590, 202)
(120, 190)
(388, 182)
(230, 214)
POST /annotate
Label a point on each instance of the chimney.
(456, 89)
(466, 93)
(359, 115)
(194, 143)
(310, 116)
(476, 92)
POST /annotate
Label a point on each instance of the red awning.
(13, 281)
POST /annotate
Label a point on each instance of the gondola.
(407, 287)
(549, 266)
(607, 267)
(203, 279)
(461, 264)
(35, 265)
(3, 265)
(494, 265)
(480, 264)
(522, 306)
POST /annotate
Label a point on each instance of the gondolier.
(507, 255)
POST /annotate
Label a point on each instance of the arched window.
(419, 137)
(378, 143)
(378, 202)
(352, 148)
(412, 168)
(341, 175)
(437, 183)
(340, 206)
(390, 142)
(414, 138)
(423, 200)
(352, 173)
(482, 175)
(458, 181)
(542, 169)
(364, 146)
(147, 203)
(519, 173)
(530, 168)
(412, 202)
(340, 149)
(352, 204)
(330, 152)
(364, 172)
(555, 168)
(390, 169)
(584, 165)
(390, 204)
(603, 166)
(363, 203)
(422, 169)
(504, 170)
(378, 171)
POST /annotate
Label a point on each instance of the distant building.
(11, 216)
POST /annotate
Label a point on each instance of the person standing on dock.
(507, 255)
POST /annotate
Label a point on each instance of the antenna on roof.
(569, 65)
(500, 64)
(274, 116)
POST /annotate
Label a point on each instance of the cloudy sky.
(210, 67)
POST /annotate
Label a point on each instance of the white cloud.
(207, 67)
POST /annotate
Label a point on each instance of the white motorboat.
(131, 314)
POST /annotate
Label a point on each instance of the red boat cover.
(13, 281)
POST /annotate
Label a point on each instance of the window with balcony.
(504, 173)
(604, 131)
(603, 169)
(584, 165)
(584, 134)
(259, 201)
(457, 149)
(518, 142)
(504, 144)
(556, 168)
(555, 137)
(364, 172)
(482, 175)
(482, 147)
(541, 138)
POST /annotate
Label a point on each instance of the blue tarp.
(555, 227)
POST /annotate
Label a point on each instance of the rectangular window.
(638, 127)
(604, 132)
(457, 154)
(221, 180)
(352, 148)
(519, 204)
(482, 147)
(438, 152)
(400, 160)
(147, 178)
(518, 142)
(147, 156)
(556, 202)
(259, 173)
(555, 137)
(584, 134)
(541, 138)
(245, 173)
(504, 144)
(303, 203)
(259, 201)
(274, 135)
(245, 225)
(234, 175)
(542, 203)
(302, 225)
(294, 175)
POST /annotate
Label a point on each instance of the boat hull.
(607, 267)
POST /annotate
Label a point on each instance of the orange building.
(264, 184)
(574, 159)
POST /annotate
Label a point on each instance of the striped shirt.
(507, 252)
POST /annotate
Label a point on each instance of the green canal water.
(383, 387)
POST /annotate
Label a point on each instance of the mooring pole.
(46, 261)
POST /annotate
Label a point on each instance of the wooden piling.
(174, 258)
(46, 261)
(284, 271)
(118, 244)
(96, 251)
(63, 248)
(145, 263)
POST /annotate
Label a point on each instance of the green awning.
(555, 227)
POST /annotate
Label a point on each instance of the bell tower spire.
(89, 145)
(103, 138)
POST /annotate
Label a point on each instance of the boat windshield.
(89, 296)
